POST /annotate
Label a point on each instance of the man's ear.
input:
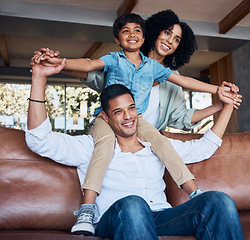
(105, 117)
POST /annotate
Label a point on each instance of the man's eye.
(117, 112)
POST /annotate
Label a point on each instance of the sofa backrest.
(35, 192)
(228, 170)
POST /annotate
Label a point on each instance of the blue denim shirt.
(119, 70)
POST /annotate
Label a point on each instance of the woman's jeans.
(211, 215)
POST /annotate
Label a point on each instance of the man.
(132, 204)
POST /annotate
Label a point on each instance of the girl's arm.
(80, 64)
(191, 83)
(228, 89)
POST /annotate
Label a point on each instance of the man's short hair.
(113, 91)
(127, 18)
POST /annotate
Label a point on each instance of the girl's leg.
(162, 147)
(104, 140)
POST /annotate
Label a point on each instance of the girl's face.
(130, 37)
(168, 41)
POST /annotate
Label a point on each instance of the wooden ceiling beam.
(126, 7)
(4, 50)
(236, 15)
(92, 50)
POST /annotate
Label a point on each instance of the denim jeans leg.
(129, 218)
(211, 215)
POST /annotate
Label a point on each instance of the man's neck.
(129, 144)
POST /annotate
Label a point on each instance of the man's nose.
(126, 114)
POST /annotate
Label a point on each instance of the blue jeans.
(211, 215)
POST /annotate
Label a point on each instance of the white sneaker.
(84, 223)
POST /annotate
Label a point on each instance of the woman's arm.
(200, 114)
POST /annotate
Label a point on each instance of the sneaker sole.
(83, 229)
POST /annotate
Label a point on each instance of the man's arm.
(37, 111)
(203, 148)
(60, 147)
(226, 112)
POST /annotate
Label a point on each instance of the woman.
(171, 43)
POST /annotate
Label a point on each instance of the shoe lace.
(85, 217)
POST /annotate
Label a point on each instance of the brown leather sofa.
(38, 196)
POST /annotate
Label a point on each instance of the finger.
(42, 50)
(51, 53)
(57, 54)
(226, 84)
(37, 53)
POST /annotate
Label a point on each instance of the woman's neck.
(154, 55)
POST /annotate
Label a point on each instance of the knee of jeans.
(222, 202)
(134, 206)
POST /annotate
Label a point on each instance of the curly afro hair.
(163, 20)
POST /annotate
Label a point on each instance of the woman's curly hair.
(163, 20)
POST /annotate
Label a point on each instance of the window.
(14, 107)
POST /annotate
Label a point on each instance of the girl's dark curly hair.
(127, 18)
(162, 21)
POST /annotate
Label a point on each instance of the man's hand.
(44, 71)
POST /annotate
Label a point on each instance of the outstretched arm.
(228, 105)
(48, 58)
(37, 110)
(228, 89)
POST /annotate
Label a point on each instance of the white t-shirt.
(153, 111)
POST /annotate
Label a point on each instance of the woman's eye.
(177, 40)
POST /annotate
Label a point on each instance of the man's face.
(122, 116)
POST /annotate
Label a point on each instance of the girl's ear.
(117, 41)
(105, 116)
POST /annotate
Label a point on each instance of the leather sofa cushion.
(227, 170)
(36, 193)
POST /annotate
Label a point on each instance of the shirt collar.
(147, 146)
(144, 59)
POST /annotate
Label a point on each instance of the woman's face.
(168, 41)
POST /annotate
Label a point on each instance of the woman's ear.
(105, 116)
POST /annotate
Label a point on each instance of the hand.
(38, 55)
(235, 101)
(45, 71)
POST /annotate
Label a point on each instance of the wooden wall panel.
(220, 71)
